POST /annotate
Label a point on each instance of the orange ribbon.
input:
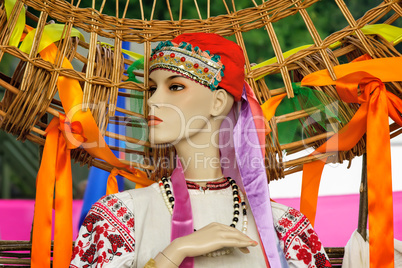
(376, 104)
(136, 176)
(269, 108)
(55, 170)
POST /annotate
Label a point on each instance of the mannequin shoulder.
(284, 215)
(127, 197)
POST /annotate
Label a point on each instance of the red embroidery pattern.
(300, 240)
(108, 221)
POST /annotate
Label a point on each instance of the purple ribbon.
(240, 145)
(247, 163)
(182, 218)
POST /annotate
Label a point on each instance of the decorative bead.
(172, 55)
(206, 70)
(169, 201)
(182, 59)
(160, 54)
(154, 56)
(196, 65)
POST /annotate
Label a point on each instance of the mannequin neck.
(199, 158)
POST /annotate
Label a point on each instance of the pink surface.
(335, 222)
(17, 215)
(337, 217)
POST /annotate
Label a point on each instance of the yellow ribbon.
(391, 33)
(20, 24)
(51, 33)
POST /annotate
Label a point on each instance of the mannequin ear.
(220, 101)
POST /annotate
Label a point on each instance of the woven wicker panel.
(31, 90)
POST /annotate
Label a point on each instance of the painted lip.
(154, 120)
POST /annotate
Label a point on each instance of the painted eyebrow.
(169, 78)
(175, 76)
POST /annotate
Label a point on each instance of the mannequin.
(193, 139)
(195, 93)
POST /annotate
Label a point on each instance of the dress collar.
(210, 185)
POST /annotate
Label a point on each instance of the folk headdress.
(214, 61)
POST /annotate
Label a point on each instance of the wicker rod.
(130, 112)
(117, 62)
(87, 91)
(295, 115)
(307, 141)
(278, 53)
(352, 22)
(308, 159)
(317, 39)
(9, 28)
(395, 6)
(27, 78)
(14, 261)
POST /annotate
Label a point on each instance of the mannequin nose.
(153, 100)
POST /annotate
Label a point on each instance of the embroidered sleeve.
(301, 244)
(106, 237)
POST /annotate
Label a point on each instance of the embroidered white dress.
(129, 228)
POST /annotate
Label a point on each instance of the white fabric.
(357, 252)
(114, 217)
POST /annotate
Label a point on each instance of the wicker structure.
(31, 91)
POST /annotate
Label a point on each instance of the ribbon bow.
(73, 133)
(376, 104)
(54, 176)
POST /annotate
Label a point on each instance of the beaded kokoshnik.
(192, 62)
(238, 199)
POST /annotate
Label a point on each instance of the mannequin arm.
(209, 238)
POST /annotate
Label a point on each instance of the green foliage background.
(19, 163)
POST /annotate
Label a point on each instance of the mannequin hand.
(212, 237)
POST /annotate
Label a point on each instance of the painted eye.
(152, 89)
(176, 87)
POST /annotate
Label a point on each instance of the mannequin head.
(182, 109)
(194, 79)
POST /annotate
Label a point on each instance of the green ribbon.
(19, 26)
(322, 111)
(136, 65)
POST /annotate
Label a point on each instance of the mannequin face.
(179, 108)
